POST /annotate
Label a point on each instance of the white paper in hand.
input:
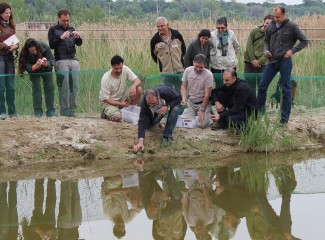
(12, 40)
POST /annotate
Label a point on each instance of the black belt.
(196, 102)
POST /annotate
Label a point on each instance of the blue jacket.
(172, 99)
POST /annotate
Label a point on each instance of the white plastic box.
(131, 114)
(186, 122)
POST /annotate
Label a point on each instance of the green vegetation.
(124, 10)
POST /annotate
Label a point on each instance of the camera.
(71, 34)
(224, 52)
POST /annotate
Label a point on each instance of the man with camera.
(63, 38)
(280, 44)
(155, 104)
(114, 94)
(197, 85)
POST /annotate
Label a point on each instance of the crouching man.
(114, 93)
(155, 104)
(235, 100)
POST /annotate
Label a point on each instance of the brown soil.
(72, 144)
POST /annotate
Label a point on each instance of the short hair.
(204, 33)
(162, 18)
(116, 60)
(269, 16)
(222, 20)
(231, 71)
(200, 58)
(151, 94)
(282, 9)
(118, 234)
(63, 12)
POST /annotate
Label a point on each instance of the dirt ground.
(69, 143)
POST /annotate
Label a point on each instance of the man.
(234, 102)
(254, 58)
(280, 39)
(197, 83)
(167, 50)
(113, 92)
(63, 38)
(155, 104)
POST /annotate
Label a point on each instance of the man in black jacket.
(63, 38)
(235, 100)
(155, 104)
(279, 46)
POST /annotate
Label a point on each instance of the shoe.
(166, 142)
(38, 115)
(51, 114)
(217, 126)
(282, 123)
(3, 116)
(13, 115)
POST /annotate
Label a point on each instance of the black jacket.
(63, 49)
(241, 97)
(172, 99)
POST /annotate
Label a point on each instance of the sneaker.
(217, 126)
(51, 114)
(3, 116)
(282, 123)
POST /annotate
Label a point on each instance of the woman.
(37, 59)
(7, 65)
(223, 51)
(199, 45)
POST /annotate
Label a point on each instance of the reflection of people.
(37, 59)
(197, 85)
(7, 64)
(8, 210)
(263, 220)
(70, 215)
(42, 224)
(235, 101)
(223, 50)
(197, 205)
(254, 58)
(280, 39)
(155, 104)
(167, 50)
(115, 199)
(201, 45)
(113, 92)
(63, 38)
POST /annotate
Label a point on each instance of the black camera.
(224, 52)
(71, 34)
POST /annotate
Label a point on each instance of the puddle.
(250, 200)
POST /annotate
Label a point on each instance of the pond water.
(250, 200)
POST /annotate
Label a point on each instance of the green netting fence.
(309, 90)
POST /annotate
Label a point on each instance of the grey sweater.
(195, 48)
(279, 41)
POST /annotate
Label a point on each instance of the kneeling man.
(234, 101)
(155, 104)
(114, 94)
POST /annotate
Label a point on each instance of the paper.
(12, 40)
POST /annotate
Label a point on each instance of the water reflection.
(158, 203)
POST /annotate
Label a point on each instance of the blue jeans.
(284, 66)
(171, 121)
(7, 84)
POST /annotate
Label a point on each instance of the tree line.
(93, 11)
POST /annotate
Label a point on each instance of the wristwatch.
(202, 109)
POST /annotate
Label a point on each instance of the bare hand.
(39, 63)
(267, 54)
(256, 64)
(133, 91)
(219, 107)
(288, 54)
(201, 116)
(13, 48)
(65, 35)
(215, 118)
(75, 34)
(45, 62)
(138, 147)
(163, 110)
(139, 164)
(184, 102)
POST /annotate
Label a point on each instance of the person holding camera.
(155, 104)
(63, 38)
(224, 50)
(114, 94)
(37, 59)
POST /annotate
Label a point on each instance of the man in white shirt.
(114, 93)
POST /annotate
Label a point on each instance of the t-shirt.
(115, 88)
(197, 83)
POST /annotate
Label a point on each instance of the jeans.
(172, 80)
(68, 74)
(284, 66)
(171, 121)
(7, 84)
(48, 92)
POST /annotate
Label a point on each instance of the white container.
(131, 114)
(186, 122)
